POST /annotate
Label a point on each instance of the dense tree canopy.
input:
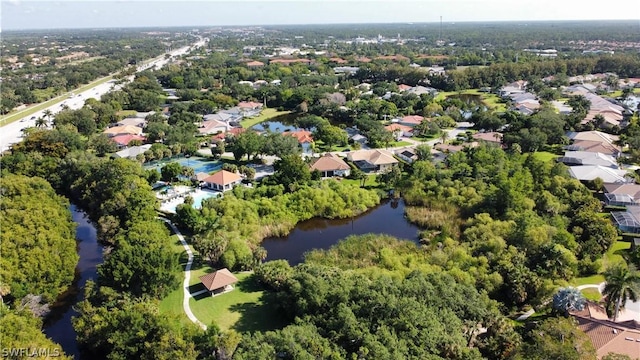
(38, 238)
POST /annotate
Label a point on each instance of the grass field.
(265, 115)
(15, 116)
(593, 279)
(370, 183)
(246, 308)
(544, 156)
(591, 294)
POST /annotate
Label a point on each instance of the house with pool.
(222, 181)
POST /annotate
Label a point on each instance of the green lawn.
(172, 303)
(544, 156)
(591, 294)
(370, 183)
(246, 308)
(17, 115)
(614, 255)
(265, 115)
(593, 279)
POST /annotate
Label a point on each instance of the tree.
(41, 122)
(423, 152)
(291, 169)
(390, 178)
(622, 284)
(558, 338)
(21, 331)
(171, 171)
(38, 238)
(212, 244)
(359, 175)
(568, 299)
(218, 149)
(47, 113)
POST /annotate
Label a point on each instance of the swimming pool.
(198, 198)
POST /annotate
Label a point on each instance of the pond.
(278, 124)
(386, 218)
(58, 325)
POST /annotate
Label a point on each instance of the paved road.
(12, 133)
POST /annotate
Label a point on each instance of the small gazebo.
(219, 281)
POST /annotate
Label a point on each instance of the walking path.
(187, 277)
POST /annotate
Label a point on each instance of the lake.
(58, 325)
(317, 233)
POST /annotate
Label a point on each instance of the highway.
(13, 132)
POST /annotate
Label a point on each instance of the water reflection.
(387, 218)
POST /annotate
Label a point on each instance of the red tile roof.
(303, 136)
(249, 105)
(223, 177)
(412, 119)
(124, 140)
(218, 279)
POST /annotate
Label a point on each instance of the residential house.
(592, 172)
(212, 127)
(132, 152)
(348, 70)
(491, 137)
(222, 117)
(400, 130)
(630, 189)
(573, 158)
(358, 138)
(450, 149)
(419, 90)
(375, 160)
(219, 281)
(249, 108)
(411, 120)
(223, 180)
(621, 337)
(123, 130)
(594, 141)
(628, 221)
(123, 140)
(255, 64)
(331, 165)
(304, 137)
(407, 154)
(133, 121)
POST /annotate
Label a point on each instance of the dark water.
(58, 327)
(387, 218)
(279, 124)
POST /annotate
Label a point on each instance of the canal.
(58, 325)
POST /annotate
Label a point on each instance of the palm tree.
(444, 136)
(622, 284)
(40, 122)
(48, 114)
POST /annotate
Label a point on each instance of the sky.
(52, 14)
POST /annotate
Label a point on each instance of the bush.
(274, 274)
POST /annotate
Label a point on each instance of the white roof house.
(591, 172)
(132, 152)
(588, 158)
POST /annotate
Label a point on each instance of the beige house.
(331, 165)
(123, 130)
(375, 160)
(222, 180)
